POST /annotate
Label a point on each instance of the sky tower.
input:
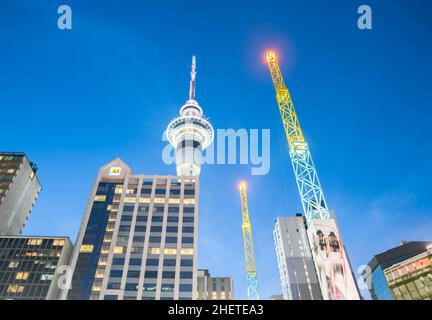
(190, 133)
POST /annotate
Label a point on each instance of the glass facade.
(29, 266)
(379, 285)
(95, 245)
(138, 240)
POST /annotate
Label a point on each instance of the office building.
(137, 239)
(387, 266)
(31, 267)
(296, 267)
(214, 288)
(411, 279)
(19, 188)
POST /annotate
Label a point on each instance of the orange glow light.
(271, 55)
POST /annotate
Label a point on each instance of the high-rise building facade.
(296, 267)
(411, 279)
(214, 288)
(137, 239)
(384, 270)
(19, 188)
(32, 267)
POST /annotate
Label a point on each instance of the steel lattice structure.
(311, 194)
(251, 275)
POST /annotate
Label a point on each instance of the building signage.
(332, 267)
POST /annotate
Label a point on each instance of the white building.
(296, 268)
(19, 188)
(138, 238)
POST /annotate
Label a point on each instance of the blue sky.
(74, 100)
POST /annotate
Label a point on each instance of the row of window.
(153, 262)
(169, 229)
(139, 218)
(151, 274)
(10, 158)
(23, 243)
(148, 287)
(25, 275)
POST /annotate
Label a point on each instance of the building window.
(15, 289)
(188, 210)
(187, 251)
(118, 250)
(186, 263)
(113, 285)
(173, 219)
(129, 199)
(187, 240)
(135, 262)
(169, 251)
(171, 240)
(152, 262)
(100, 198)
(172, 229)
(169, 262)
(157, 219)
(155, 239)
(58, 242)
(21, 275)
(87, 248)
(34, 242)
(188, 229)
(133, 274)
(46, 277)
(185, 287)
(155, 250)
(186, 275)
(116, 273)
(168, 274)
(150, 274)
(140, 228)
(118, 261)
(13, 264)
(149, 287)
(139, 239)
(167, 287)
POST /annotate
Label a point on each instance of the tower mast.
(251, 275)
(192, 80)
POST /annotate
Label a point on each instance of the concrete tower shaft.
(190, 133)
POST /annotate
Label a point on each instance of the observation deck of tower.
(190, 133)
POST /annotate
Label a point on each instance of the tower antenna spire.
(192, 80)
